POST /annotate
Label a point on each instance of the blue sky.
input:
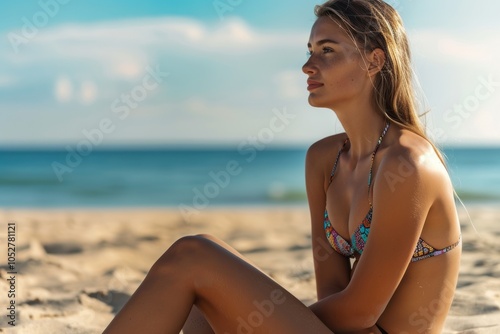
(67, 66)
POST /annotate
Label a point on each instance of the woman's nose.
(308, 68)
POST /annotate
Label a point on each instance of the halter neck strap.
(334, 169)
(370, 174)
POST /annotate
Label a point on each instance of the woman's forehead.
(325, 28)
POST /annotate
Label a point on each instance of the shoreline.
(221, 207)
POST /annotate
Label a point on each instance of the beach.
(74, 268)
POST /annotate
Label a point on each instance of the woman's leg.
(233, 295)
(196, 323)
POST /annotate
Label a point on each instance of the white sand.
(75, 268)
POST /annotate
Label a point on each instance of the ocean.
(194, 178)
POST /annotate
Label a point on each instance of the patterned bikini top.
(360, 236)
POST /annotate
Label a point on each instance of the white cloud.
(88, 92)
(482, 125)
(119, 41)
(6, 81)
(226, 73)
(66, 90)
(291, 84)
(128, 67)
(452, 63)
(116, 52)
(446, 47)
(63, 90)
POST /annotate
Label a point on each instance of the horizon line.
(209, 146)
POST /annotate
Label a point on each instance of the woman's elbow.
(369, 317)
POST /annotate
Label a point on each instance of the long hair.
(375, 24)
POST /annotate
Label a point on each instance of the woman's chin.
(317, 103)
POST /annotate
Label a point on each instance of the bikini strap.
(334, 169)
(370, 174)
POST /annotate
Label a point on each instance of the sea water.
(175, 177)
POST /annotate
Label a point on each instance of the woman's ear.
(376, 61)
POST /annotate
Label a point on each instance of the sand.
(76, 268)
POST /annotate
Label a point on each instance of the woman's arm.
(332, 270)
(398, 218)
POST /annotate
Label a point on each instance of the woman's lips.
(311, 87)
(311, 84)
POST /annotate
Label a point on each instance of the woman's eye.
(325, 50)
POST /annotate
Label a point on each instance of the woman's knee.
(208, 237)
(184, 252)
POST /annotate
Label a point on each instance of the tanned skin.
(205, 286)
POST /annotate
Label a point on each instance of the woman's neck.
(363, 125)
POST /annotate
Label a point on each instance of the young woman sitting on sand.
(378, 194)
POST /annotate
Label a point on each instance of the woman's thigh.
(196, 322)
(237, 298)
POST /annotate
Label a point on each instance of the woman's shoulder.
(412, 148)
(321, 157)
(411, 156)
(326, 147)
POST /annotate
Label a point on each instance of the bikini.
(360, 236)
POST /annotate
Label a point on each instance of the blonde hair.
(375, 24)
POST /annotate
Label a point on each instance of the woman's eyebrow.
(323, 41)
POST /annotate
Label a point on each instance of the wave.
(476, 196)
(28, 181)
(286, 196)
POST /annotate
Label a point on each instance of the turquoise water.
(194, 177)
(475, 173)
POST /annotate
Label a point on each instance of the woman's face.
(337, 73)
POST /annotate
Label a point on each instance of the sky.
(204, 72)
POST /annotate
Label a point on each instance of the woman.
(378, 194)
